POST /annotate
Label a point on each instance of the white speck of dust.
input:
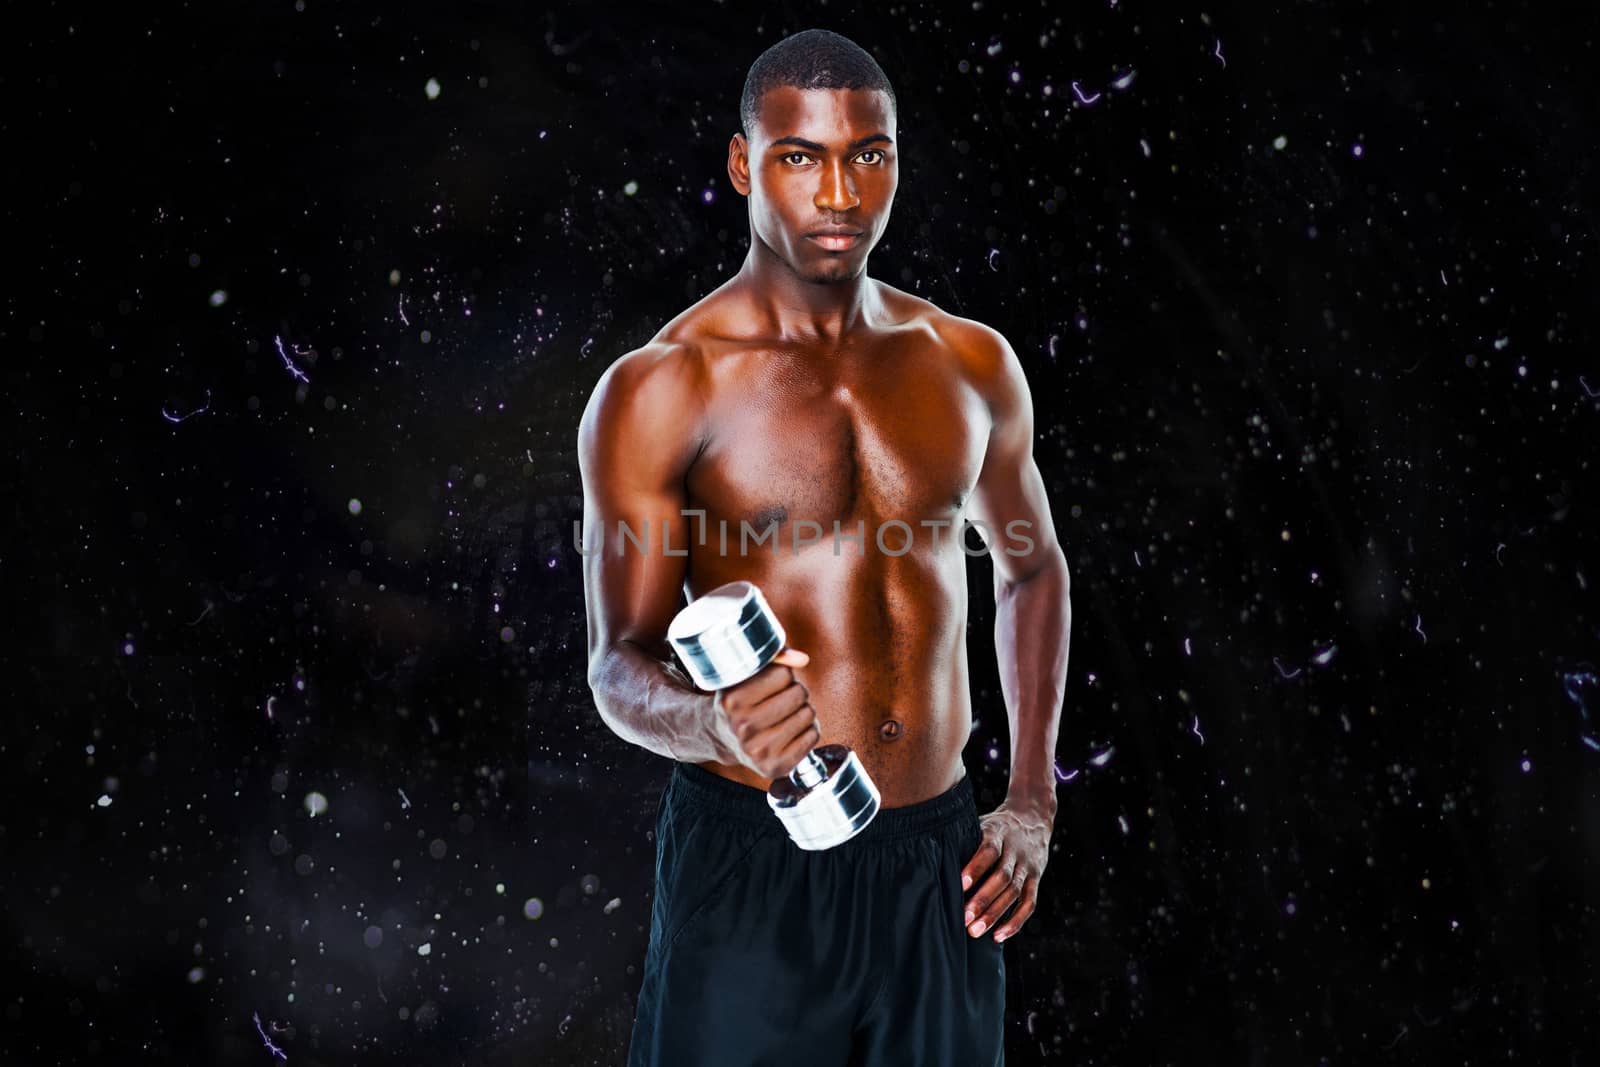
(631, 188)
(316, 803)
(1280, 142)
(355, 505)
(432, 88)
(425, 948)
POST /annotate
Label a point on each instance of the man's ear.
(739, 164)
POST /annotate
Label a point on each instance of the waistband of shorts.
(697, 787)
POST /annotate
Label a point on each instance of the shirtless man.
(864, 427)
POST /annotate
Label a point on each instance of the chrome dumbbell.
(725, 637)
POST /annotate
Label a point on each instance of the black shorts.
(763, 953)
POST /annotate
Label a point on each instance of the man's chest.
(894, 434)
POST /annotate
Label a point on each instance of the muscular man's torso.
(886, 426)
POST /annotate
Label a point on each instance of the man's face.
(819, 160)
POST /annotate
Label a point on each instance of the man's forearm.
(1033, 635)
(648, 702)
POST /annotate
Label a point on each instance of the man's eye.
(874, 152)
(796, 155)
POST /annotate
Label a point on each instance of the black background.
(1317, 417)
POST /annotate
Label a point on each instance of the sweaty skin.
(802, 397)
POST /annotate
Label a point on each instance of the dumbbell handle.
(809, 771)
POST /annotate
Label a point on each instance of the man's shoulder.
(986, 359)
(658, 382)
(659, 356)
(667, 378)
(981, 347)
(976, 343)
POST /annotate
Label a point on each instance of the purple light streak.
(1570, 680)
(175, 419)
(288, 363)
(274, 1049)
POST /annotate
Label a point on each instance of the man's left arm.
(1033, 629)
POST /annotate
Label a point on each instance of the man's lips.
(835, 242)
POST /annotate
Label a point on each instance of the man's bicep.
(1010, 498)
(637, 438)
(632, 585)
(1012, 502)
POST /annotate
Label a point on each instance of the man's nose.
(836, 193)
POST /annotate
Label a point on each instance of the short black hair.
(811, 59)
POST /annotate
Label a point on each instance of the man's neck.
(799, 310)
